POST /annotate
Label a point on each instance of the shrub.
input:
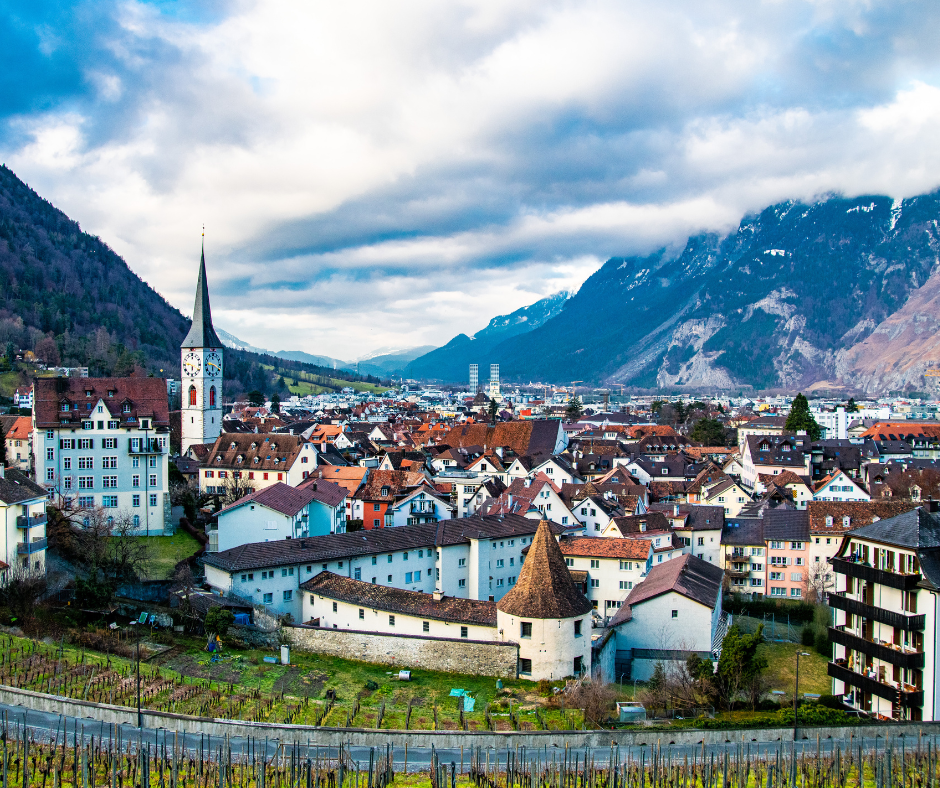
(808, 636)
(544, 688)
(822, 644)
(831, 702)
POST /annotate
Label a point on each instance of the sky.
(391, 174)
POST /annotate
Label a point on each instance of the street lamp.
(796, 690)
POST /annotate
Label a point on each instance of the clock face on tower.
(191, 365)
(214, 365)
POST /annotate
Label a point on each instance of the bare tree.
(21, 588)
(234, 489)
(819, 581)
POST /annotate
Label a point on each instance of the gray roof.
(786, 525)
(743, 531)
(915, 529)
(16, 487)
(202, 334)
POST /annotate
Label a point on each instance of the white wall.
(346, 616)
(653, 625)
(553, 645)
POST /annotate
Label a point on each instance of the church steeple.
(202, 334)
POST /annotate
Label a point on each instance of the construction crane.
(574, 388)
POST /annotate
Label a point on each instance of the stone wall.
(485, 658)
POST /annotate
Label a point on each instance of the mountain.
(68, 297)
(451, 362)
(800, 294)
(392, 362)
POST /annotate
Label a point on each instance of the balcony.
(30, 522)
(906, 695)
(737, 570)
(736, 558)
(422, 507)
(886, 652)
(909, 622)
(872, 575)
(27, 548)
(145, 447)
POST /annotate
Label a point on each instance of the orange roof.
(899, 428)
(21, 429)
(350, 478)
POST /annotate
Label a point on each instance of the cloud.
(384, 174)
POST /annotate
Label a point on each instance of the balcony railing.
(422, 508)
(905, 695)
(909, 622)
(872, 575)
(909, 659)
(145, 447)
(27, 548)
(735, 558)
(32, 521)
(734, 571)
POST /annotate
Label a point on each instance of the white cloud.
(381, 174)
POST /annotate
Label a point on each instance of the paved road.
(46, 726)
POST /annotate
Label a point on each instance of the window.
(404, 556)
(391, 621)
(461, 562)
(626, 565)
(526, 629)
(114, 424)
(192, 396)
(425, 626)
(757, 582)
(595, 583)
(626, 585)
(595, 563)
(389, 578)
(499, 563)
(675, 614)
(288, 595)
(569, 562)
(109, 462)
(796, 545)
(50, 454)
(357, 574)
(86, 501)
(153, 480)
(86, 443)
(109, 482)
(86, 482)
(408, 577)
(135, 479)
(268, 599)
(375, 560)
(375, 507)
(212, 396)
(362, 613)
(701, 541)
(390, 559)
(66, 483)
(50, 474)
(109, 501)
(464, 632)
(777, 591)
(335, 607)
(86, 463)
(525, 666)
(460, 583)
(153, 499)
(796, 593)
(577, 629)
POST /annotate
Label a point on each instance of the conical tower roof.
(202, 334)
(545, 588)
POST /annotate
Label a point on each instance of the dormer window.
(126, 408)
(218, 460)
(785, 447)
(384, 491)
(256, 459)
(254, 445)
(828, 521)
(239, 459)
(110, 392)
(233, 445)
(88, 392)
(65, 407)
(846, 521)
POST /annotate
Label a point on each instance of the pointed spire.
(202, 334)
(545, 588)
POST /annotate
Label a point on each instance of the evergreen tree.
(801, 420)
(852, 407)
(275, 404)
(574, 411)
(493, 411)
(709, 432)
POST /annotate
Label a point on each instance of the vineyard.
(297, 696)
(114, 756)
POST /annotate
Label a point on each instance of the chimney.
(438, 596)
(675, 510)
(314, 486)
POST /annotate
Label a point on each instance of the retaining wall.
(450, 655)
(102, 712)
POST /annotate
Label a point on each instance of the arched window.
(192, 396)
(136, 520)
(212, 397)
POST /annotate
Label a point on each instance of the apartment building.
(786, 534)
(606, 569)
(258, 460)
(104, 442)
(745, 556)
(23, 518)
(472, 558)
(887, 577)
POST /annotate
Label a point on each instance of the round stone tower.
(547, 614)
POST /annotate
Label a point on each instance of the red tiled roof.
(275, 451)
(147, 398)
(280, 497)
(397, 600)
(692, 577)
(599, 547)
(21, 429)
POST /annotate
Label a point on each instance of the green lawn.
(781, 671)
(165, 552)
(8, 383)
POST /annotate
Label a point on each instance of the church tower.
(201, 381)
